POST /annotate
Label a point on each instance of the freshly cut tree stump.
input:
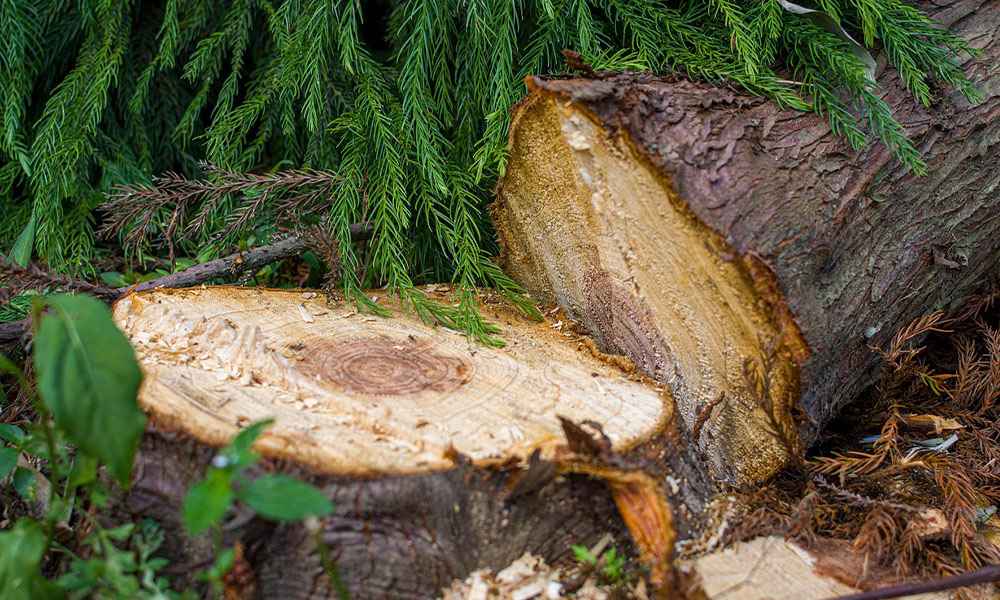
(690, 226)
(440, 457)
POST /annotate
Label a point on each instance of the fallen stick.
(238, 262)
(981, 575)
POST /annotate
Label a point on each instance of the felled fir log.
(692, 226)
(441, 457)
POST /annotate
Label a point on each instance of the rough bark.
(397, 537)
(681, 222)
(440, 457)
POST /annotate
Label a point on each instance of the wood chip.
(531, 589)
(308, 318)
(479, 590)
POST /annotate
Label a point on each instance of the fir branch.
(101, 94)
(16, 280)
(180, 208)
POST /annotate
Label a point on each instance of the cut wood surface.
(354, 394)
(772, 568)
(689, 225)
(424, 442)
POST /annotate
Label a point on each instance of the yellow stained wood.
(585, 223)
(355, 394)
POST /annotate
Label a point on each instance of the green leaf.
(20, 253)
(8, 460)
(114, 279)
(120, 533)
(239, 454)
(223, 562)
(613, 566)
(88, 378)
(24, 482)
(61, 510)
(21, 552)
(35, 443)
(208, 501)
(11, 433)
(285, 499)
(584, 555)
(84, 471)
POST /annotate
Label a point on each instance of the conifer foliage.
(403, 104)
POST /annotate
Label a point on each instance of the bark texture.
(681, 221)
(440, 457)
(396, 537)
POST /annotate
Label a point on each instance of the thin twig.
(251, 260)
(859, 500)
(982, 575)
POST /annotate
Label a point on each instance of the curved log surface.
(683, 222)
(397, 537)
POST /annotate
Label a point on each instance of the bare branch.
(240, 262)
(983, 575)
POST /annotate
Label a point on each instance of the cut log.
(440, 457)
(772, 568)
(688, 226)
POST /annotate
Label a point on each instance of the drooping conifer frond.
(406, 101)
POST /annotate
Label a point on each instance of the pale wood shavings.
(530, 578)
(527, 578)
(308, 318)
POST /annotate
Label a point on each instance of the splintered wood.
(358, 395)
(585, 223)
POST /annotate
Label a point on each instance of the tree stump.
(440, 457)
(709, 235)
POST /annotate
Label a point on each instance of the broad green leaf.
(285, 499)
(208, 501)
(88, 378)
(20, 253)
(114, 279)
(311, 259)
(21, 552)
(84, 471)
(11, 433)
(24, 481)
(8, 460)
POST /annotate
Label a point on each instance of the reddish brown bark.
(846, 243)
